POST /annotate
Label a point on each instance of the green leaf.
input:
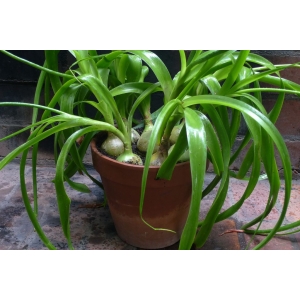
(63, 199)
(196, 137)
(128, 88)
(31, 214)
(103, 94)
(70, 121)
(122, 64)
(183, 61)
(167, 167)
(37, 94)
(56, 98)
(195, 71)
(52, 63)
(194, 54)
(80, 187)
(257, 59)
(234, 125)
(134, 70)
(143, 97)
(212, 144)
(277, 81)
(272, 131)
(210, 219)
(258, 76)
(159, 69)
(212, 214)
(268, 158)
(107, 59)
(234, 72)
(86, 63)
(212, 84)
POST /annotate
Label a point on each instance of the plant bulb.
(158, 158)
(130, 158)
(113, 145)
(143, 142)
(134, 136)
(175, 133)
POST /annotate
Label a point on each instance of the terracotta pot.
(166, 203)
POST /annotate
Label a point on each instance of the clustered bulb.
(175, 133)
(158, 158)
(134, 136)
(113, 145)
(143, 142)
(130, 158)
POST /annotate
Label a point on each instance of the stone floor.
(93, 228)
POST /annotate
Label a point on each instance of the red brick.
(255, 204)
(294, 151)
(293, 148)
(295, 237)
(276, 243)
(293, 211)
(288, 122)
(216, 241)
(284, 57)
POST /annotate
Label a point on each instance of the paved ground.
(93, 228)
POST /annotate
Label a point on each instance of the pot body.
(166, 203)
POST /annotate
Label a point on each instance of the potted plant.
(198, 120)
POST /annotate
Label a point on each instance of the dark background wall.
(18, 81)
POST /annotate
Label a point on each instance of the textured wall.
(17, 84)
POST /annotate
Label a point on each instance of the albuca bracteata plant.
(199, 118)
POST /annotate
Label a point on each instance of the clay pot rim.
(95, 149)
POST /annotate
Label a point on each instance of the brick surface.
(216, 241)
(92, 227)
(288, 122)
(16, 115)
(14, 118)
(284, 57)
(295, 238)
(293, 211)
(277, 243)
(207, 201)
(255, 204)
(293, 147)
(294, 152)
(45, 147)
